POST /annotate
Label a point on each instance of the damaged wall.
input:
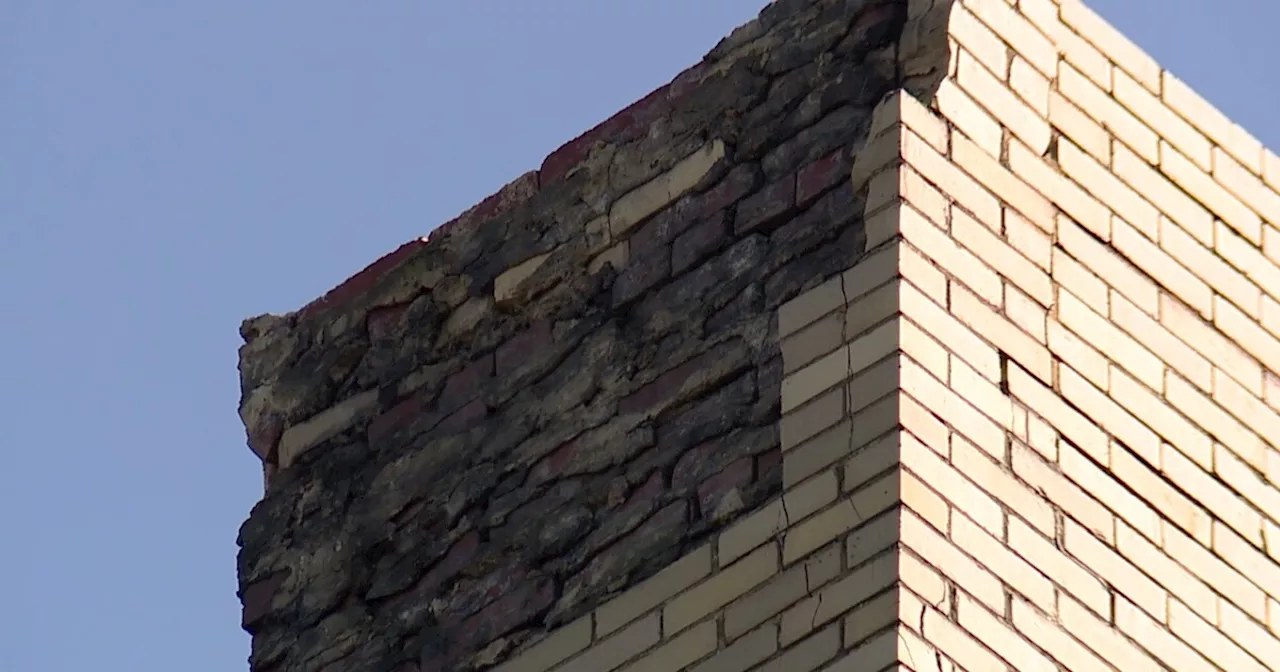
(484, 436)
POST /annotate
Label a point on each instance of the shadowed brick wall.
(785, 369)
(488, 435)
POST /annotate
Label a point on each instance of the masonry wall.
(1089, 451)
(779, 369)
(476, 449)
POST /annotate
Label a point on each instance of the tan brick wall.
(1035, 429)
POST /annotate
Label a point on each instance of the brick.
(873, 616)
(506, 287)
(1051, 638)
(558, 646)
(920, 347)
(1116, 571)
(1030, 85)
(1173, 577)
(882, 154)
(1099, 181)
(1100, 484)
(1065, 571)
(811, 496)
(1029, 315)
(1001, 333)
(808, 655)
(950, 179)
(1248, 259)
(977, 39)
(1209, 416)
(751, 532)
(1149, 485)
(871, 539)
(812, 342)
(1149, 332)
(1164, 269)
(941, 553)
(812, 305)
(1078, 354)
(1067, 496)
(881, 378)
(1155, 638)
(1249, 634)
(877, 652)
(326, 424)
(860, 584)
(1074, 277)
(847, 514)
(981, 393)
(924, 501)
(974, 122)
(873, 271)
(819, 414)
(745, 652)
(1046, 403)
(1095, 102)
(736, 579)
(950, 332)
(642, 202)
(871, 309)
(1247, 334)
(1109, 416)
(1151, 110)
(1209, 640)
(1000, 101)
(1245, 185)
(1081, 128)
(922, 580)
(926, 426)
(1018, 194)
(1249, 410)
(1022, 576)
(801, 386)
(958, 645)
(1015, 29)
(1000, 483)
(1252, 484)
(1171, 200)
(1205, 189)
(922, 196)
(681, 651)
(1073, 200)
(764, 603)
(1077, 51)
(949, 406)
(1213, 496)
(610, 653)
(1111, 42)
(1246, 556)
(676, 577)
(1110, 267)
(1033, 243)
(1119, 347)
(1000, 638)
(1103, 639)
(1213, 571)
(1206, 340)
(1200, 113)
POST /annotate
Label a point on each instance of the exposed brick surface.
(786, 369)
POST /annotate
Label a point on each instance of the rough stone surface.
(513, 461)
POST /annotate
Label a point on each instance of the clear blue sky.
(169, 168)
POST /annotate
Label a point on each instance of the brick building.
(893, 335)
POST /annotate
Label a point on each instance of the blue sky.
(169, 168)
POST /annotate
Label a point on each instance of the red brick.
(768, 206)
(715, 488)
(265, 436)
(463, 417)
(256, 599)
(819, 176)
(523, 347)
(396, 417)
(637, 115)
(664, 387)
(363, 281)
(382, 321)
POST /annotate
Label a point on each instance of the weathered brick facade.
(891, 336)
